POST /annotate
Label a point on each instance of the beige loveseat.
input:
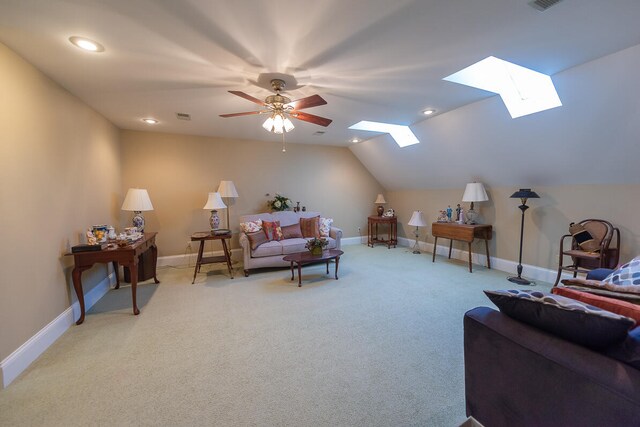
(270, 254)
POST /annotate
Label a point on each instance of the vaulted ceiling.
(373, 60)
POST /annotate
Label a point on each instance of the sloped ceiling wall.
(594, 138)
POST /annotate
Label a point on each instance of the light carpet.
(381, 346)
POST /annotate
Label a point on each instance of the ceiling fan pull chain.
(284, 150)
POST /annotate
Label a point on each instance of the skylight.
(522, 90)
(401, 134)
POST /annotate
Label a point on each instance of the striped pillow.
(310, 227)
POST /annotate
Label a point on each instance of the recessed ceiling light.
(354, 140)
(86, 44)
(400, 133)
(150, 121)
(428, 111)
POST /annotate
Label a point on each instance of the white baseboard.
(530, 272)
(190, 258)
(346, 241)
(22, 357)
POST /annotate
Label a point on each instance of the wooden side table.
(462, 232)
(203, 236)
(128, 256)
(372, 230)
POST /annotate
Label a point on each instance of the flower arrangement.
(316, 245)
(279, 203)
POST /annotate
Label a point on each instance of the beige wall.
(179, 171)
(59, 173)
(546, 220)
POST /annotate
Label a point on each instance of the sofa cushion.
(292, 231)
(267, 249)
(625, 279)
(310, 226)
(256, 239)
(292, 246)
(622, 308)
(251, 226)
(272, 230)
(324, 225)
(628, 351)
(569, 319)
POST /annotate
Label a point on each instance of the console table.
(203, 236)
(127, 256)
(462, 232)
(372, 230)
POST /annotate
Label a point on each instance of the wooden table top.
(306, 256)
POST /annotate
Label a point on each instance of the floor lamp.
(417, 220)
(227, 191)
(523, 194)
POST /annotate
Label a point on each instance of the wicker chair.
(607, 256)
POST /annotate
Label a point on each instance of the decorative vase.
(316, 250)
(380, 210)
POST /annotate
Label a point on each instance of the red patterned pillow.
(622, 308)
(272, 230)
(310, 226)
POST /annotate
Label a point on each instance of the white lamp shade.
(380, 199)
(227, 189)
(417, 220)
(475, 192)
(288, 126)
(268, 124)
(137, 199)
(214, 202)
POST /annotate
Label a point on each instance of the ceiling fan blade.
(247, 97)
(308, 102)
(247, 113)
(311, 118)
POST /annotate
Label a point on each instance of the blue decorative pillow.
(625, 278)
(598, 274)
(572, 320)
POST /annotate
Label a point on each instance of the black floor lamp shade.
(523, 194)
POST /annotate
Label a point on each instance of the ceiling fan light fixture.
(278, 123)
(268, 124)
(288, 125)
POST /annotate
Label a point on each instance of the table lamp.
(417, 220)
(137, 200)
(523, 194)
(380, 201)
(227, 191)
(474, 192)
(214, 202)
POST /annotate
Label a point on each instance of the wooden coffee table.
(302, 258)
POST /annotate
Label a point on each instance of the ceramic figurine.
(442, 217)
(449, 212)
(91, 239)
(461, 216)
(458, 209)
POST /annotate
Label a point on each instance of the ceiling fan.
(280, 108)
